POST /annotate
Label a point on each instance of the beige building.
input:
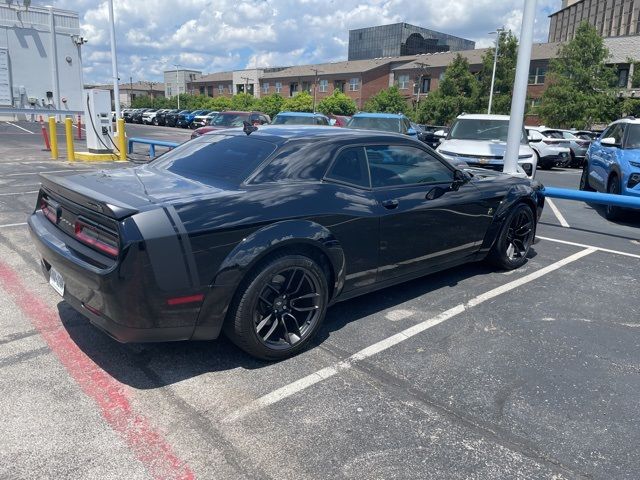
(612, 18)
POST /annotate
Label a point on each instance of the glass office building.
(612, 18)
(401, 39)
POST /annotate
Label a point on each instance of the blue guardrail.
(152, 144)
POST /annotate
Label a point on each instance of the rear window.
(375, 123)
(223, 158)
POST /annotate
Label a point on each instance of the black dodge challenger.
(255, 232)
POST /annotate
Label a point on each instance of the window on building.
(220, 89)
(231, 88)
(293, 89)
(210, 90)
(339, 85)
(535, 103)
(537, 75)
(306, 87)
(265, 87)
(422, 85)
(278, 87)
(323, 85)
(623, 77)
(201, 89)
(403, 82)
(354, 84)
(168, 92)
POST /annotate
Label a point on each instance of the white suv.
(149, 117)
(481, 141)
(551, 152)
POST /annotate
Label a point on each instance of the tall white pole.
(114, 62)
(519, 99)
(493, 75)
(177, 85)
(55, 89)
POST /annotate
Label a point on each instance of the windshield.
(293, 120)
(229, 119)
(633, 137)
(229, 159)
(481, 129)
(375, 123)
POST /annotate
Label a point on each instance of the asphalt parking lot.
(470, 373)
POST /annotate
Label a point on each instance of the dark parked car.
(430, 137)
(161, 117)
(171, 119)
(128, 114)
(185, 120)
(256, 231)
(137, 115)
(231, 119)
(300, 118)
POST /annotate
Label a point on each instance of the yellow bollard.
(122, 139)
(53, 138)
(68, 131)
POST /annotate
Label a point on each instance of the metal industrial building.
(612, 18)
(40, 58)
(401, 39)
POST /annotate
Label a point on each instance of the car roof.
(627, 120)
(483, 116)
(394, 116)
(236, 112)
(302, 114)
(283, 133)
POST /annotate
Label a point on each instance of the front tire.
(613, 187)
(584, 179)
(279, 307)
(512, 246)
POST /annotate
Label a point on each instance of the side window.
(264, 120)
(535, 135)
(618, 133)
(255, 118)
(393, 165)
(350, 166)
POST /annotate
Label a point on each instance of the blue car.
(185, 120)
(613, 162)
(386, 122)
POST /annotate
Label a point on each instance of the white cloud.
(213, 35)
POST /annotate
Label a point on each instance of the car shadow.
(155, 365)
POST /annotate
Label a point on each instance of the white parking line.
(557, 213)
(17, 193)
(582, 245)
(327, 372)
(18, 126)
(7, 225)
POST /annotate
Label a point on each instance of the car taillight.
(49, 209)
(96, 237)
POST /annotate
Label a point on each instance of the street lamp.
(498, 32)
(177, 83)
(315, 87)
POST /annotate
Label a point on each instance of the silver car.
(578, 146)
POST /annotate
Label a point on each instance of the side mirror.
(609, 142)
(459, 179)
(439, 133)
(441, 139)
(411, 131)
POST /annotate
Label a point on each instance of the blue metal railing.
(152, 144)
(593, 197)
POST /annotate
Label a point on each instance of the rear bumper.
(122, 300)
(554, 160)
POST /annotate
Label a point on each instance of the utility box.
(97, 114)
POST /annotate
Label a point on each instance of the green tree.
(582, 90)
(337, 104)
(458, 92)
(243, 102)
(387, 101)
(271, 104)
(302, 102)
(218, 104)
(505, 74)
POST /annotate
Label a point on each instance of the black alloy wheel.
(280, 307)
(516, 237)
(613, 187)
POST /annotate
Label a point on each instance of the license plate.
(56, 281)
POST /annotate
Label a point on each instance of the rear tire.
(279, 307)
(512, 246)
(613, 187)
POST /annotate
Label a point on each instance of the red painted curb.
(148, 445)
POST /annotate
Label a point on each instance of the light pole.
(177, 84)
(315, 87)
(498, 32)
(519, 98)
(423, 70)
(114, 62)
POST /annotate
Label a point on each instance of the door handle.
(390, 204)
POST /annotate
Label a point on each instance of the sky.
(220, 35)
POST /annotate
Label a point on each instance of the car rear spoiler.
(90, 198)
